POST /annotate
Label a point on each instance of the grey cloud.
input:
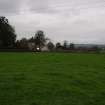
(49, 6)
(10, 6)
(40, 6)
(64, 6)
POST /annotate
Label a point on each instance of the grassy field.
(52, 79)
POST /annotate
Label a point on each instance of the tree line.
(8, 38)
(36, 43)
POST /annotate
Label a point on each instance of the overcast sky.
(78, 21)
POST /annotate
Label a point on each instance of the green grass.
(52, 79)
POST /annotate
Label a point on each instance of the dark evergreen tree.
(7, 34)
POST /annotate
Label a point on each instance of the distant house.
(44, 49)
(31, 46)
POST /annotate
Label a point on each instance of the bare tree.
(40, 39)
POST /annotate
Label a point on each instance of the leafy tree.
(50, 46)
(24, 43)
(17, 44)
(40, 39)
(72, 46)
(58, 45)
(31, 39)
(7, 34)
(65, 44)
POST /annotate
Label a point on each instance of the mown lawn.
(52, 79)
